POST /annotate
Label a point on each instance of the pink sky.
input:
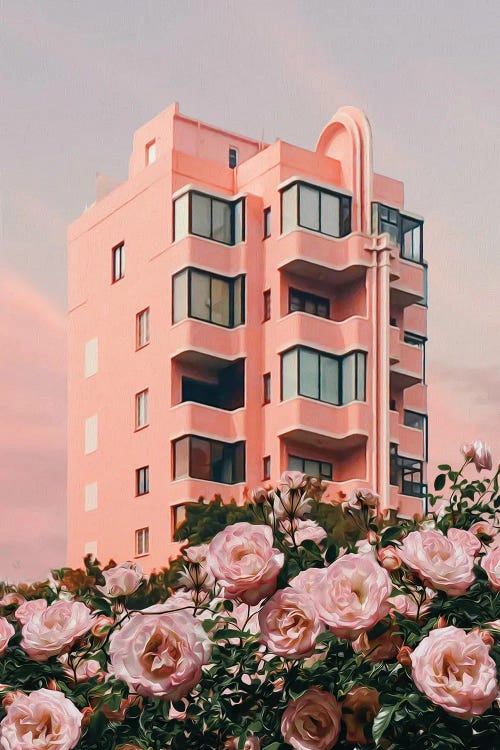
(77, 80)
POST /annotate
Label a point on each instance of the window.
(91, 434)
(267, 222)
(91, 496)
(228, 392)
(142, 541)
(425, 299)
(320, 469)
(212, 460)
(267, 387)
(233, 158)
(407, 474)
(178, 517)
(304, 302)
(418, 422)
(141, 409)
(314, 208)
(402, 230)
(267, 304)
(91, 358)
(142, 328)
(324, 377)
(151, 153)
(414, 339)
(266, 467)
(213, 218)
(118, 262)
(142, 480)
(205, 296)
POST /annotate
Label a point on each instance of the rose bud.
(479, 453)
(101, 626)
(487, 638)
(404, 656)
(372, 537)
(441, 622)
(388, 557)
(86, 714)
(259, 496)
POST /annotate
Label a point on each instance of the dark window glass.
(325, 377)
(233, 158)
(212, 298)
(267, 222)
(267, 304)
(266, 467)
(299, 301)
(403, 231)
(227, 392)
(320, 469)
(411, 239)
(118, 262)
(317, 209)
(142, 480)
(267, 388)
(407, 474)
(206, 216)
(211, 460)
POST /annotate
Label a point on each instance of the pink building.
(237, 309)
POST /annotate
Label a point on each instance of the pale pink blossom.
(303, 529)
(408, 606)
(484, 528)
(27, 609)
(361, 497)
(84, 669)
(160, 654)
(44, 719)
(491, 564)
(455, 671)
(291, 504)
(196, 574)
(12, 598)
(307, 579)
(292, 480)
(54, 630)
(122, 580)
(479, 453)
(312, 722)
(440, 563)
(353, 596)
(251, 743)
(466, 539)
(388, 557)
(6, 633)
(244, 562)
(289, 624)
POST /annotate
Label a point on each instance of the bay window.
(323, 377)
(404, 231)
(206, 296)
(205, 216)
(320, 469)
(315, 208)
(211, 460)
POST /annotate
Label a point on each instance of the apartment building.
(239, 308)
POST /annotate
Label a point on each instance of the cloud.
(33, 436)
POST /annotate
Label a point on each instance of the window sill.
(144, 554)
(143, 427)
(142, 346)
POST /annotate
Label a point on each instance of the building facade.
(237, 309)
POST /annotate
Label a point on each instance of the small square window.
(267, 387)
(142, 480)
(267, 222)
(151, 153)
(233, 158)
(178, 517)
(267, 304)
(118, 271)
(142, 328)
(266, 467)
(141, 409)
(142, 541)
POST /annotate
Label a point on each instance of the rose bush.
(288, 622)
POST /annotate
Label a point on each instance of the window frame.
(266, 468)
(142, 542)
(151, 148)
(212, 443)
(233, 152)
(424, 429)
(324, 477)
(230, 280)
(310, 297)
(231, 203)
(138, 344)
(340, 383)
(118, 249)
(377, 222)
(142, 481)
(174, 522)
(400, 466)
(320, 190)
(267, 222)
(266, 300)
(266, 383)
(145, 393)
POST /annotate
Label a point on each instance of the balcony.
(202, 344)
(405, 505)
(407, 282)
(320, 425)
(325, 259)
(190, 418)
(410, 441)
(409, 368)
(204, 253)
(338, 337)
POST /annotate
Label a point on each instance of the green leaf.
(444, 467)
(382, 721)
(391, 533)
(439, 482)
(331, 553)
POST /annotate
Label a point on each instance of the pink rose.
(479, 453)
(55, 629)
(466, 539)
(491, 564)
(44, 719)
(484, 529)
(243, 560)
(354, 595)
(307, 579)
(291, 504)
(407, 606)
(303, 529)
(27, 609)
(312, 722)
(160, 654)
(196, 574)
(383, 647)
(292, 480)
(359, 498)
(455, 671)
(289, 624)
(122, 580)
(251, 743)
(439, 562)
(388, 557)
(84, 668)
(6, 633)
(12, 598)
